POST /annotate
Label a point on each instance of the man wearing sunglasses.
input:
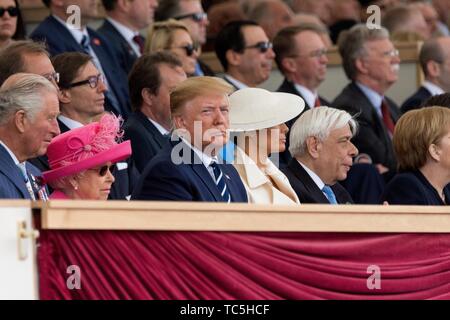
(191, 13)
(301, 56)
(124, 20)
(245, 52)
(62, 35)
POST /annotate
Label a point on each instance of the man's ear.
(147, 96)
(20, 120)
(360, 65)
(64, 96)
(124, 5)
(178, 122)
(233, 57)
(313, 147)
(433, 68)
(289, 65)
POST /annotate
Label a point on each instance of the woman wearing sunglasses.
(11, 22)
(173, 36)
(81, 160)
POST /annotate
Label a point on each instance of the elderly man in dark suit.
(301, 56)
(435, 62)
(28, 110)
(189, 170)
(151, 80)
(371, 62)
(62, 34)
(121, 28)
(322, 155)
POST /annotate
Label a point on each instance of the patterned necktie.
(23, 170)
(85, 44)
(220, 182)
(387, 119)
(139, 40)
(330, 194)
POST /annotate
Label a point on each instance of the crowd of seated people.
(130, 110)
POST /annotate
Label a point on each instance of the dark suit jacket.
(146, 140)
(372, 137)
(412, 188)
(207, 71)
(165, 180)
(59, 39)
(125, 178)
(12, 184)
(289, 87)
(120, 46)
(307, 190)
(414, 101)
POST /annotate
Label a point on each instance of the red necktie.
(140, 42)
(317, 102)
(387, 119)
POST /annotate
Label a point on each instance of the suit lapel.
(158, 137)
(10, 170)
(307, 181)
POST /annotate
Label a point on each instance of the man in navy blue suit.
(435, 62)
(28, 110)
(60, 34)
(151, 80)
(188, 170)
(121, 28)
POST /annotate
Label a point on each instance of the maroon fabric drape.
(224, 265)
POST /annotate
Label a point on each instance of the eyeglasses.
(12, 11)
(102, 171)
(92, 81)
(319, 53)
(52, 77)
(197, 17)
(262, 46)
(189, 48)
(391, 53)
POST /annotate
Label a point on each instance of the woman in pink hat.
(81, 160)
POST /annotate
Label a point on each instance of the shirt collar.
(238, 84)
(308, 95)
(313, 176)
(432, 88)
(206, 159)
(76, 33)
(374, 97)
(13, 156)
(70, 123)
(159, 127)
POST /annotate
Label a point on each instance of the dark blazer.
(165, 180)
(307, 190)
(146, 140)
(59, 39)
(12, 184)
(414, 101)
(120, 46)
(231, 83)
(289, 87)
(372, 137)
(207, 71)
(412, 188)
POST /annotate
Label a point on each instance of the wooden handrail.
(172, 216)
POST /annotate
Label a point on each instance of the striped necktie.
(220, 182)
(23, 169)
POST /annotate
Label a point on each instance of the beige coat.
(259, 187)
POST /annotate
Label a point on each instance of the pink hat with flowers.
(85, 148)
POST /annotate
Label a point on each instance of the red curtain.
(223, 265)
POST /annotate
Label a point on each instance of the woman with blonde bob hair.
(258, 116)
(422, 147)
(173, 36)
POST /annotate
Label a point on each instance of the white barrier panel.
(18, 272)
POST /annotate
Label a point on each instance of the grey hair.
(23, 91)
(351, 44)
(318, 122)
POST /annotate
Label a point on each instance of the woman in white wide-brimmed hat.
(258, 116)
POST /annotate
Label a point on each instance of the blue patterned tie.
(23, 169)
(85, 44)
(220, 182)
(330, 194)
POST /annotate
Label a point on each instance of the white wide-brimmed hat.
(256, 109)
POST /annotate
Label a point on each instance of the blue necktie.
(23, 169)
(220, 182)
(330, 194)
(85, 44)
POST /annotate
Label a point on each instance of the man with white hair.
(322, 155)
(28, 110)
(371, 62)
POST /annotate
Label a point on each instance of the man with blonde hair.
(189, 169)
(322, 155)
(28, 110)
